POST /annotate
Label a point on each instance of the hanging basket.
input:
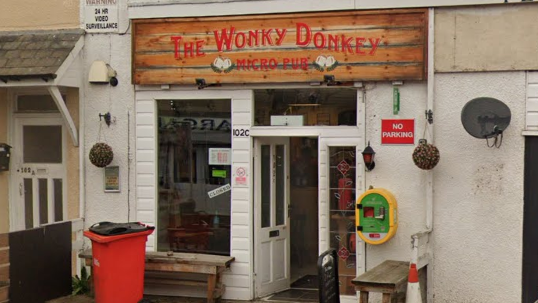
(101, 154)
(426, 156)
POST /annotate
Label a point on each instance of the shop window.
(194, 176)
(342, 172)
(305, 107)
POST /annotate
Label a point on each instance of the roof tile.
(35, 53)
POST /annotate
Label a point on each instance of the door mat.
(308, 282)
(295, 295)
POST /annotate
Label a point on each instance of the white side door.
(272, 233)
(38, 172)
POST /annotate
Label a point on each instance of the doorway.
(286, 217)
(304, 212)
(38, 172)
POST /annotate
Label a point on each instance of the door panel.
(38, 172)
(272, 258)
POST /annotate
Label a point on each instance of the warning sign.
(101, 16)
(240, 177)
(398, 131)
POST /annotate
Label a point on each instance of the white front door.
(272, 233)
(38, 172)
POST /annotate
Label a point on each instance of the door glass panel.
(42, 143)
(58, 200)
(36, 103)
(266, 185)
(280, 184)
(28, 203)
(43, 201)
(342, 176)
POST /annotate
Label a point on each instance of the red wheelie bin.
(119, 252)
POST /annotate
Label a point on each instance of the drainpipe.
(429, 137)
(430, 106)
(82, 154)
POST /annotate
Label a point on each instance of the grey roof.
(35, 53)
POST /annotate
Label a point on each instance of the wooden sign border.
(230, 79)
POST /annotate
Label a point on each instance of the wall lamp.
(368, 155)
(329, 79)
(201, 83)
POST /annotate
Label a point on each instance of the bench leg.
(364, 297)
(386, 298)
(211, 282)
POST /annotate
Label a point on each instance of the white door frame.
(262, 234)
(16, 211)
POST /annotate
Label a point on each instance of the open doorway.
(286, 220)
(304, 212)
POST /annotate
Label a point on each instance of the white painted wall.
(478, 197)
(395, 170)
(101, 98)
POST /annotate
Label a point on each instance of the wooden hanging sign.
(351, 46)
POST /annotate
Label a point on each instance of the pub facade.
(244, 133)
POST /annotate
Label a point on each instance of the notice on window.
(219, 191)
(101, 16)
(220, 156)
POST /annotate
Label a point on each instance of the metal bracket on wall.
(429, 116)
(107, 118)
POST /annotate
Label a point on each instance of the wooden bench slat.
(191, 268)
(183, 258)
(175, 282)
(389, 273)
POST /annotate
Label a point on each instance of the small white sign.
(101, 16)
(219, 191)
(220, 156)
(240, 176)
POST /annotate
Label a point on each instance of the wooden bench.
(389, 278)
(211, 265)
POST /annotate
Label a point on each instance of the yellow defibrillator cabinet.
(376, 216)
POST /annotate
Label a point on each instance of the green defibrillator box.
(376, 216)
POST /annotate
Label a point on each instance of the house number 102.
(241, 132)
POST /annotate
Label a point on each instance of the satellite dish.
(485, 117)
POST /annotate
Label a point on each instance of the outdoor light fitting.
(101, 72)
(329, 79)
(201, 83)
(368, 155)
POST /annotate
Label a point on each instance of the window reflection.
(305, 107)
(194, 176)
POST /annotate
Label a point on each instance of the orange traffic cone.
(413, 294)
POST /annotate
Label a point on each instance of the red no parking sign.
(398, 131)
